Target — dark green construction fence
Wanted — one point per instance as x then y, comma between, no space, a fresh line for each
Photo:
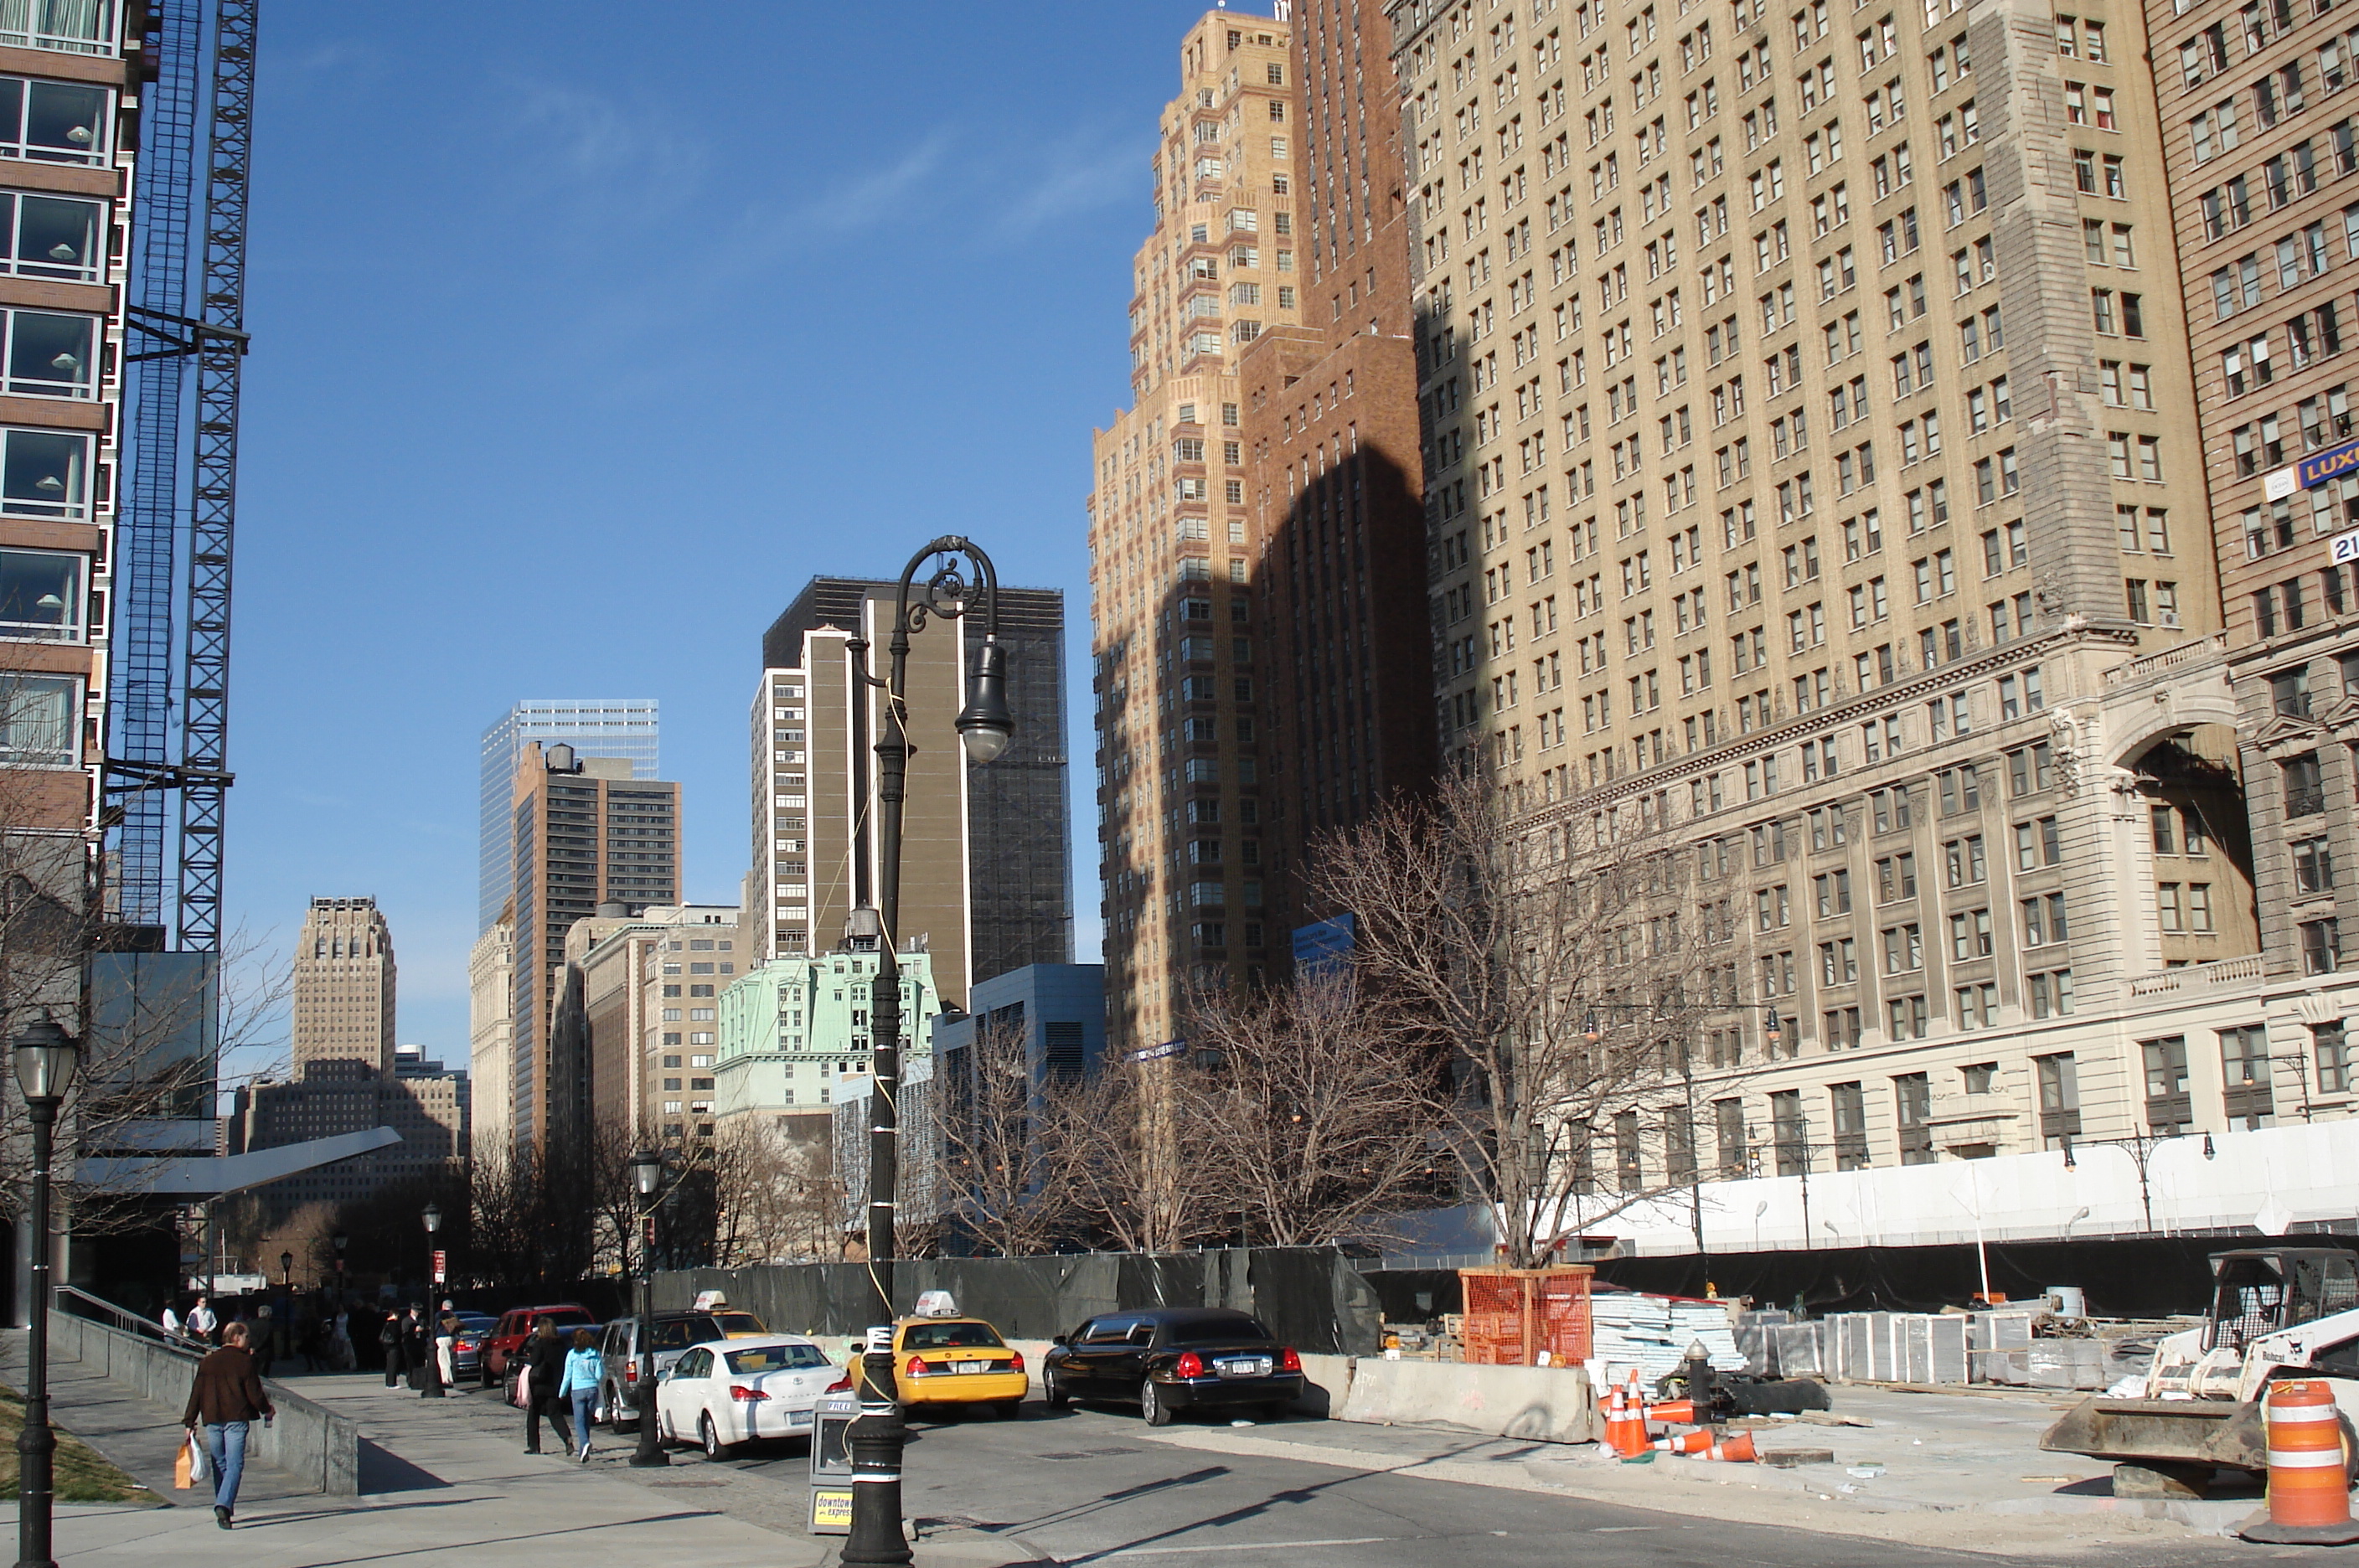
1310,1297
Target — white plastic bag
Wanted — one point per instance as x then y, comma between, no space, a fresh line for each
201,1462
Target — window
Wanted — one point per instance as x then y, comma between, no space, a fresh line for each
40,721
2244,1073
2321,946
52,237
2059,1098
53,121
2332,1054
2168,1105
44,474
41,595
49,356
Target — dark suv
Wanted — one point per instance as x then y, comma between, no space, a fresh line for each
1174,1358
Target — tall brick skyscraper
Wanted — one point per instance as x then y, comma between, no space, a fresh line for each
1179,645
1337,475
344,984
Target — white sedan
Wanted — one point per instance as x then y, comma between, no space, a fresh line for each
742,1389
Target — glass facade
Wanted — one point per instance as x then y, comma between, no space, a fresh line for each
621,727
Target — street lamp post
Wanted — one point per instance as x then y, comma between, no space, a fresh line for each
984,727
46,1057
286,1271
433,1390
646,1178
342,1241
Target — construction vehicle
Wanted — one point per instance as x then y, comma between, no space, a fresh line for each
2275,1310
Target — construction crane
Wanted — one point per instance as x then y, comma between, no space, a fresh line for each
215,340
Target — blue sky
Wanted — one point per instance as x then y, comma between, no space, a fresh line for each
585,333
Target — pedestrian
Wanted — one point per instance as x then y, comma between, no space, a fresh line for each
583,1369
203,1321
388,1339
545,1361
226,1398
446,1344
417,1343
171,1322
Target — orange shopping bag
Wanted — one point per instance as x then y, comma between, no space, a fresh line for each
180,1466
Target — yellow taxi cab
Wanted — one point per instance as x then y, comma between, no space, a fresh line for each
736,1323
958,1361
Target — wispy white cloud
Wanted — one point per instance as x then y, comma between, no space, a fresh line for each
1079,172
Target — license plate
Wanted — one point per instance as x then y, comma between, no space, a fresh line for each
968,1367
1243,1366
799,1418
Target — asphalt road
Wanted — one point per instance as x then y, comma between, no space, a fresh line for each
1087,1486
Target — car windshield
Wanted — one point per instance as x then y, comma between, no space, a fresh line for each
739,1323
777,1358
951,1336
680,1332
475,1322
1238,1330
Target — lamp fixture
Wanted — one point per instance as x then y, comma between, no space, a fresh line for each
432,1215
80,136
66,362
46,1057
985,725
62,252
49,482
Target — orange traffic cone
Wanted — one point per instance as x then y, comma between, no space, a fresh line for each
1679,1410
1738,1448
2310,1499
1696,1442
1625,1429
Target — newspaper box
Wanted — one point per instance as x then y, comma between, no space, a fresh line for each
831,1463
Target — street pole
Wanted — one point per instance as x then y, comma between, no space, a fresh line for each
432,1215
878,1438
647,1175
45,1064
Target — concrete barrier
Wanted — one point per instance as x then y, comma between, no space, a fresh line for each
311,1444
1551,1404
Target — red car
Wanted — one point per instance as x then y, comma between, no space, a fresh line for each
517,1325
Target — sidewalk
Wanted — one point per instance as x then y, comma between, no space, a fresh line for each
434,1490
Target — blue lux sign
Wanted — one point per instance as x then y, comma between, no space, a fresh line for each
2332,463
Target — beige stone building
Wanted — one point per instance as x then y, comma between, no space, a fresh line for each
490,1027
1177,644
1810,471
651,989
345,977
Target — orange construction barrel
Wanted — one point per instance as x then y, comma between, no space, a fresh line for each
2309,1487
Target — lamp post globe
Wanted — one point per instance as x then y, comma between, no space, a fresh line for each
46,1057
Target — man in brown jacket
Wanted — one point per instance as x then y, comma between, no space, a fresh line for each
228,1394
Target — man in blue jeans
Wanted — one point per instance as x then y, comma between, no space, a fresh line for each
226,1397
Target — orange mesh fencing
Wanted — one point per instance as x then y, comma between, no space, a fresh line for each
1512,1314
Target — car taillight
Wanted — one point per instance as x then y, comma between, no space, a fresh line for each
1016,1361
1288,1361
1190,1365
918,1368
841,1385
631,1373
739,1391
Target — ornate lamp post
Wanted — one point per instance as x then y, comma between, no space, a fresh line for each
45,1059
433,1390
646,1181
984,727
286,1269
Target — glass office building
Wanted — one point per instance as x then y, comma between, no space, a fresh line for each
592,727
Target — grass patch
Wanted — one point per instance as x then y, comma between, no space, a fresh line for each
79,1475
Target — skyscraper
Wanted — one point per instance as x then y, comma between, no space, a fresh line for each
1810,468
592,727
1172,546
586,833
1337,471
986,864
343,985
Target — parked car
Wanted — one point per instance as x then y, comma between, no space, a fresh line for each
618,1348
467,1348
1171,1359
949,1362
515,1325
739,1324
739,1390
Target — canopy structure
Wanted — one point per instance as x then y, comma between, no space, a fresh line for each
198,1179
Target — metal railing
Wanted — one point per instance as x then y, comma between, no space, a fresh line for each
80,1303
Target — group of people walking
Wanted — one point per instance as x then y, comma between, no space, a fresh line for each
315,1328
421,1350
560,1378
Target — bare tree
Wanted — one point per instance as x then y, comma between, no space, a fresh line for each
1316,1116
1549,959
999,1183
1125,1150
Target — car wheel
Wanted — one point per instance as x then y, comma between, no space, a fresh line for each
1151,1405
1053,1393
714,1447
1009,1409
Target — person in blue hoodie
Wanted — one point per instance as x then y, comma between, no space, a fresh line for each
583,1369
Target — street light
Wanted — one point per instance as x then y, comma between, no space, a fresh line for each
984,726
432,1215
286,1268
342,1241
646,1178
46,1057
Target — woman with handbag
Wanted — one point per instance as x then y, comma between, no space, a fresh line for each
544,1357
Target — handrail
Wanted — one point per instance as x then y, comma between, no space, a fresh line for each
122,1318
